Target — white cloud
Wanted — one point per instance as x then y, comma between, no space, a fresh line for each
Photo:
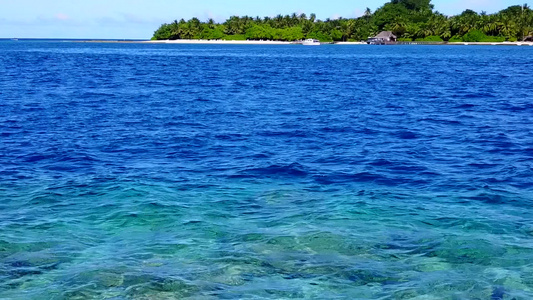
62,17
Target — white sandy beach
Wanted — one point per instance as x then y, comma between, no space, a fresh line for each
350,43
241,42
246,42
221,42
494,44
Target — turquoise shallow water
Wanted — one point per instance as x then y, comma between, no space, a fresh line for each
241,172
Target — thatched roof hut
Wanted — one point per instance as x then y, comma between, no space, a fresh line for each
382,37
386,36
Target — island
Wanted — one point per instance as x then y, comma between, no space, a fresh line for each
408,20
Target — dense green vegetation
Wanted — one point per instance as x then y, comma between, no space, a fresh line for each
408,19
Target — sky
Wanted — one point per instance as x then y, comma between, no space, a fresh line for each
137,19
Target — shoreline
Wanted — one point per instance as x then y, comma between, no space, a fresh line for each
221,42
491,44
247,42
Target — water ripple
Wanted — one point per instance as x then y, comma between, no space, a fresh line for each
234,172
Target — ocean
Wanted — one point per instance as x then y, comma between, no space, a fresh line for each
144,171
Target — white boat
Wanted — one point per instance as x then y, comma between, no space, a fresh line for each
311,42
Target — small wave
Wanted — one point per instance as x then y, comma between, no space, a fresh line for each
36,157
80,157
441,121
292,170
488,198
230,136
381,163
295,133
406,135
466,106
91,95
480,95
528,151
514,108
346,178
368,177
336,129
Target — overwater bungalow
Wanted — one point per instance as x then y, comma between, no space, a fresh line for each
382,38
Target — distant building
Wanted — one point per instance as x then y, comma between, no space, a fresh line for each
382,38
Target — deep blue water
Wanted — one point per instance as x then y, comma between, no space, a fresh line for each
132,171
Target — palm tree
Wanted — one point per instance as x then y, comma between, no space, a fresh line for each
529,22
424,31
525,26
439,25
294,19
508,28
287,21
174,30
368,13
211,23
398,26
307,27
465,22
492,25
346,32
234,25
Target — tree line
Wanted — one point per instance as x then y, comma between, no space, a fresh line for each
408,19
